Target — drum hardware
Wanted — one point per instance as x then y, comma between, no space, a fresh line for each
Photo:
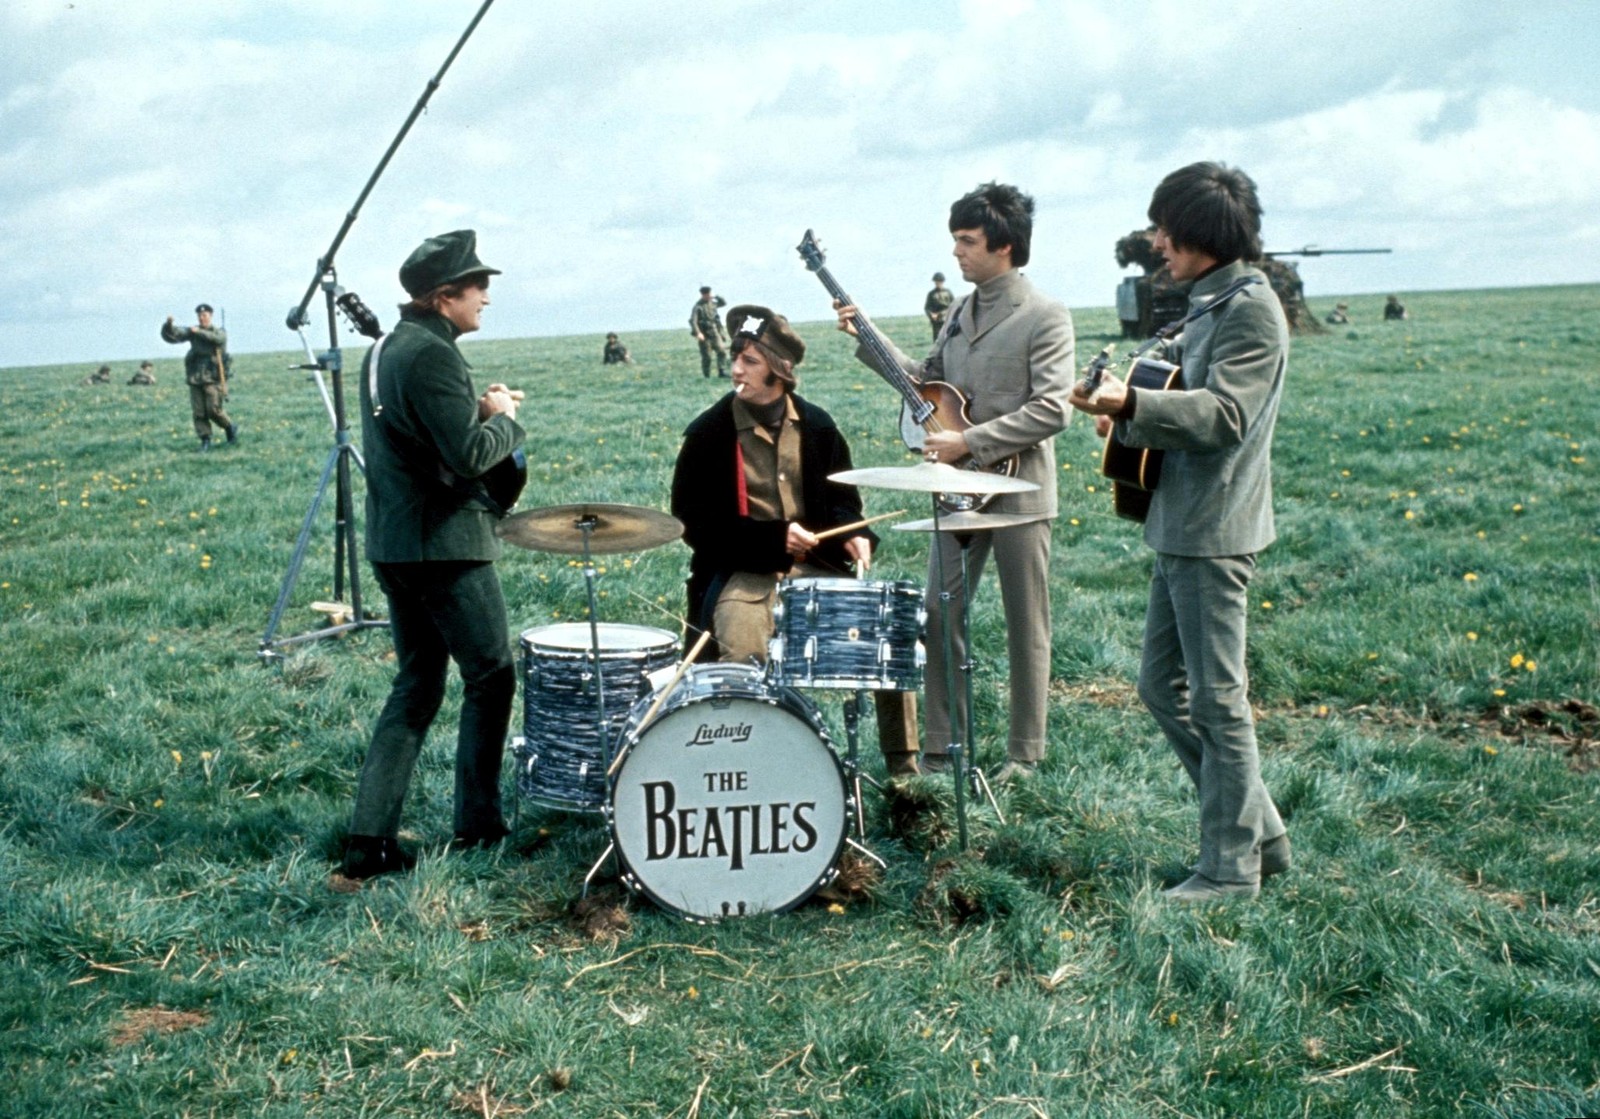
935,477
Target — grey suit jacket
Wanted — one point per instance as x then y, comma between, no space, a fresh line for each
1215,493
1016,373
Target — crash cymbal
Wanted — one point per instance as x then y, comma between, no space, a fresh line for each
611,529
933,477
969,522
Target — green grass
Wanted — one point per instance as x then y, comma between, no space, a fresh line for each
1424,676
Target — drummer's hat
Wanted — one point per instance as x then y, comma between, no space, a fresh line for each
772,333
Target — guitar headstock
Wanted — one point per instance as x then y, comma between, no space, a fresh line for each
1095,370
811,252
359,314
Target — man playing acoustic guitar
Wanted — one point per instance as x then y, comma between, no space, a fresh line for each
1209,516
1008,349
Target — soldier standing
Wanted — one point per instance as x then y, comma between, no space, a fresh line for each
937,305
205,367
705,323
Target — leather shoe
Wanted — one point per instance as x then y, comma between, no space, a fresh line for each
1275,856
1200,890
486,836
367,856
1014,770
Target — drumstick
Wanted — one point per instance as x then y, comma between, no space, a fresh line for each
661,696
860,524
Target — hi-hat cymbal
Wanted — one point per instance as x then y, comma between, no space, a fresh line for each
610,529
933,477
966,521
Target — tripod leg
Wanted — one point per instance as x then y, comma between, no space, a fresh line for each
300,544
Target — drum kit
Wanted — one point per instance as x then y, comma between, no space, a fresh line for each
722,790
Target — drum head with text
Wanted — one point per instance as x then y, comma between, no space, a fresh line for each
729,805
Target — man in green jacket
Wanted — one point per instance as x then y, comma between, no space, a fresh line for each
429,439
705,323
1209,517
205,367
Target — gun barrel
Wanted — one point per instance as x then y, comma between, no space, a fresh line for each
1312,250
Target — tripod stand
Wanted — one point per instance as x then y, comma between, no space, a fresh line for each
336,468
346,564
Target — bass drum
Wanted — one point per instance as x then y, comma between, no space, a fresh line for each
730,801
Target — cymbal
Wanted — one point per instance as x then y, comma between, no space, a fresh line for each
970,522
611,529
933,477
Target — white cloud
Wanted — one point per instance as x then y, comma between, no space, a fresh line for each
616,156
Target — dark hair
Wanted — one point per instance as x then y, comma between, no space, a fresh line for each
1212,208
1004,214
428,304
778,365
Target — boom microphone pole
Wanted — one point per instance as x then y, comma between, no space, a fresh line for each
337,467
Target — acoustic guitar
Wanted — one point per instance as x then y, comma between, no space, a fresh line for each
497,488
925,406
1135,471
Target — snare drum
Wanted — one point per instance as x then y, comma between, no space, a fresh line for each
731,801
851,634
560,759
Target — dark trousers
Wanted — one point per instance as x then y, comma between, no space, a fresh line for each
205,405
438,612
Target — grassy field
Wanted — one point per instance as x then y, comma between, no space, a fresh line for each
1424,656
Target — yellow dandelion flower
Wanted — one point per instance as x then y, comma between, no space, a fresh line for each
1410,515
1499,691
1067,934
158,802
1267,605
1469,577
1516,660
1073,521
1472,635
694,993
1531,665
835,908
1372,656
1517,508
1491,751
177,758
1322,710
1172,1019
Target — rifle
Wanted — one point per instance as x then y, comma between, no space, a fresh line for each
1312,250
221,355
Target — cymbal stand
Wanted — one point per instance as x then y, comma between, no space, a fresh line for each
586,525
980,783
957,756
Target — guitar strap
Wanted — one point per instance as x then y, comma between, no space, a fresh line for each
1172,330
471,488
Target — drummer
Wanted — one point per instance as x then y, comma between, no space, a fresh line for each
751,488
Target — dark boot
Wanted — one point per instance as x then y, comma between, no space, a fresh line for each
485,836
233,433
367,856
205,443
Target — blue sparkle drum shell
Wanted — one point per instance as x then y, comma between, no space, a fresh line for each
848,634
560,760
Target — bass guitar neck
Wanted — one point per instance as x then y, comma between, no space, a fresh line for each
926,406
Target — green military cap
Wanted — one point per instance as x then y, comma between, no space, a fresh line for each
938,277
444,259
769,330
203,309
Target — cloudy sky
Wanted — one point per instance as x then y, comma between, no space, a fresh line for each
616,154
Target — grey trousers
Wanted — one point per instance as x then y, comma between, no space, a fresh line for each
1193,680
1022,560
439,611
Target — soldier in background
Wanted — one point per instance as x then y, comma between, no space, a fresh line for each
1394,310
205,367
1340,315
101,376
937,305
705,323
144,376
615,353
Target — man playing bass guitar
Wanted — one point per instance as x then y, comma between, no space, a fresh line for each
1008,349
1209,517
